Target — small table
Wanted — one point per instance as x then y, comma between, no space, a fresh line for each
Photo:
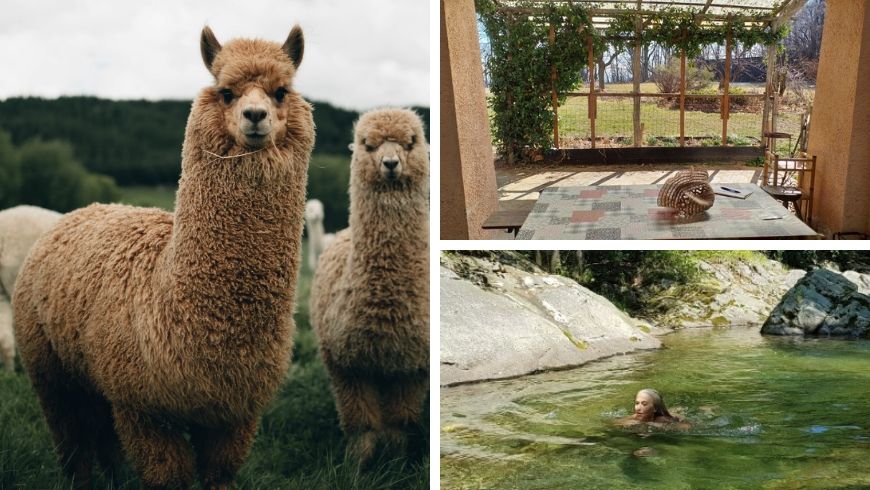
628,212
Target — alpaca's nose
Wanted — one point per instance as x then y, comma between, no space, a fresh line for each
391,164
254,115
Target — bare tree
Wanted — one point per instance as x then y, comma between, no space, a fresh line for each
602,66
804,43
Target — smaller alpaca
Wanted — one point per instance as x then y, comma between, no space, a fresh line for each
370,295
317,239
20,227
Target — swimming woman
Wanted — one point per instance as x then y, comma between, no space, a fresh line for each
649,408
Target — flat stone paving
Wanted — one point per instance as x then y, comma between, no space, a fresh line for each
527,182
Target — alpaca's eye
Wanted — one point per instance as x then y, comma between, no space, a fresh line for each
410,146
227,94
369,148
279,94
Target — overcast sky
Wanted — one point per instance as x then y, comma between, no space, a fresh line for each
359,54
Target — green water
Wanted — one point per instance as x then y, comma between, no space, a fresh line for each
766,412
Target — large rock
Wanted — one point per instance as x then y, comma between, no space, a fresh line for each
824,303
498,321
733,292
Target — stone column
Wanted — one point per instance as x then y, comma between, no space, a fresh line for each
468,187
840,124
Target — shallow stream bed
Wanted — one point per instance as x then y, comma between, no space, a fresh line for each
766,412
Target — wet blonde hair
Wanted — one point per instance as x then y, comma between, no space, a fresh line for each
658,402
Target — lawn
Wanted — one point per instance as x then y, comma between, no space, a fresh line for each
615,120
299,443
149,196
661,126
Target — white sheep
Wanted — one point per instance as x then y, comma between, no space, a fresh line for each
20,227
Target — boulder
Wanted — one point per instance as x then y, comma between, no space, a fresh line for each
733,292
824,302
498,321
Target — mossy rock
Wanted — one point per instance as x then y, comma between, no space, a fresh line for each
720,321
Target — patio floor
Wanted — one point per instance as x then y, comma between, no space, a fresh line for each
521,183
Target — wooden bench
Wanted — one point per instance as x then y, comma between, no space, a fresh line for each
510,216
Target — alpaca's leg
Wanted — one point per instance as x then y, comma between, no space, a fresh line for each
159,453
63,403
108,447
221,452
359,410
403,403
7,335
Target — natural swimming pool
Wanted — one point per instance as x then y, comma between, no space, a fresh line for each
767,412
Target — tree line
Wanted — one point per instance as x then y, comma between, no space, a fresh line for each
138,142
66,153
46,174
630,278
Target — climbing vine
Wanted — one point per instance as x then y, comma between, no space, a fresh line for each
679,29
520,67
522,56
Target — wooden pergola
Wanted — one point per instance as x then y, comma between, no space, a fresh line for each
757,13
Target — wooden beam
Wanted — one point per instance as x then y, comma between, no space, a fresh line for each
635,75
670,3
658,94
768,90
645,13
725,86
654,154
706,7
699,17
683,97
786,11
554,97
592,109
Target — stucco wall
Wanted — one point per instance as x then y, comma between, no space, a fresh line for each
840,126
468,187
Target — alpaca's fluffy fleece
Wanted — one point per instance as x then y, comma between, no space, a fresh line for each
20,227
317,239
136,325
370,295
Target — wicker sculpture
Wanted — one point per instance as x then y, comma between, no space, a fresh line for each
688,192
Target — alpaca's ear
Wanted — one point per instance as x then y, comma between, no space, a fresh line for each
294,46
350,147
210,47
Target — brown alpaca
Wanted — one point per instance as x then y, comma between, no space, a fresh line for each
137,326
370,295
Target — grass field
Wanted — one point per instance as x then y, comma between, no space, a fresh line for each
149,196
299,443
615,121
614,125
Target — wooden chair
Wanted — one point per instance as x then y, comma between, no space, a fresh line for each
791,180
